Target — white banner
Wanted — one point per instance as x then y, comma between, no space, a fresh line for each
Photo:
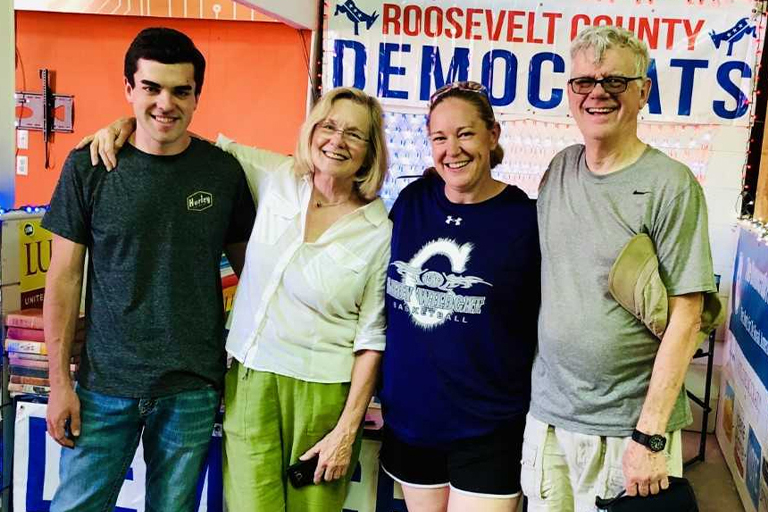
36,473
703,68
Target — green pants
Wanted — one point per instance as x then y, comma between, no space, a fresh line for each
269,421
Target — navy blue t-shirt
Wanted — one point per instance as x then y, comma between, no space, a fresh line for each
462,298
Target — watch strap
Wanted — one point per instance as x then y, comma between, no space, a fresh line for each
655,443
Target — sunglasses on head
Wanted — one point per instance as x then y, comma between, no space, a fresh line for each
468,86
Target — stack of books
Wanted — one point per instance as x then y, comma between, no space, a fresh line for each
228,283
28,353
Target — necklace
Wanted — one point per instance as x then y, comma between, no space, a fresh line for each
318,204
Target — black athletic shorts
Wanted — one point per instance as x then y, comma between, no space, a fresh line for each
487,466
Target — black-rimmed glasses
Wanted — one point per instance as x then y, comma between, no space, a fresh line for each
610,84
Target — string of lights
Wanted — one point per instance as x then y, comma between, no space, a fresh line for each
756,226
23,209
748,195
529,145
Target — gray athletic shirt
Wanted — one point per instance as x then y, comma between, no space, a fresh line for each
155,228
595,359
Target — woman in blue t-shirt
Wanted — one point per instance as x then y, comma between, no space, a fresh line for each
462,300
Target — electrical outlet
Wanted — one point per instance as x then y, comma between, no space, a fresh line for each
22,165
22,139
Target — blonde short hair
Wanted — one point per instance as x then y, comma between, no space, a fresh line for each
370,176
603,38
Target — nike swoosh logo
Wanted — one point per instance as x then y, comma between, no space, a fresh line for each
638,193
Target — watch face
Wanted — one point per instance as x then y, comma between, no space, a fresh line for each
656,443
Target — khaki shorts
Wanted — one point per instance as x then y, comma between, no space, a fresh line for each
564,471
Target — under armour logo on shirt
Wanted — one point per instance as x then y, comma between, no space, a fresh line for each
451,220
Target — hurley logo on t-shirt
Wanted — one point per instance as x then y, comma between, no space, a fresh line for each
199,201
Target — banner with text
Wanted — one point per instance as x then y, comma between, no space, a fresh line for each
742,430
749,302
703,55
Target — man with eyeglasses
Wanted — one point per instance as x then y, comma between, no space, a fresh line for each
607,401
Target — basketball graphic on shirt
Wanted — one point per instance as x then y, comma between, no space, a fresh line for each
431,298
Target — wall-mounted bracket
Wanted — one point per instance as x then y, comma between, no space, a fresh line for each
30,112
44,111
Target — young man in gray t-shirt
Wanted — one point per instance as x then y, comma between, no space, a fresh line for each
607,400
153,363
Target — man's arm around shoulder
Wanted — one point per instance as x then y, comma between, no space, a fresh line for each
60,311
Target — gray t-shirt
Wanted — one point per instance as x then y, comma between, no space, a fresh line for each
155,228
594,365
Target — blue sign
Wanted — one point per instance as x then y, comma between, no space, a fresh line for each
749,308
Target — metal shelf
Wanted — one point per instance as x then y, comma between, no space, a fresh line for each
704,404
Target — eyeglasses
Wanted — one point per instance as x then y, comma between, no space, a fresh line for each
468,86
610,84
350,136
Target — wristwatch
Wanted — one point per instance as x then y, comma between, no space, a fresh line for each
655,442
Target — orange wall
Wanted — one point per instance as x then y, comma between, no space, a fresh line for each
254,91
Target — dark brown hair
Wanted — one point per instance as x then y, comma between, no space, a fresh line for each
166,46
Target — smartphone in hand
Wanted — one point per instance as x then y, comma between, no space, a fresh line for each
68,430
302,472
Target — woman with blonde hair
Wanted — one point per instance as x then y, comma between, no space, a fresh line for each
307,330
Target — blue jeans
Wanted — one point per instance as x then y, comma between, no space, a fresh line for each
175,430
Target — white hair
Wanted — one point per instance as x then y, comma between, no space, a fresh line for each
603,38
